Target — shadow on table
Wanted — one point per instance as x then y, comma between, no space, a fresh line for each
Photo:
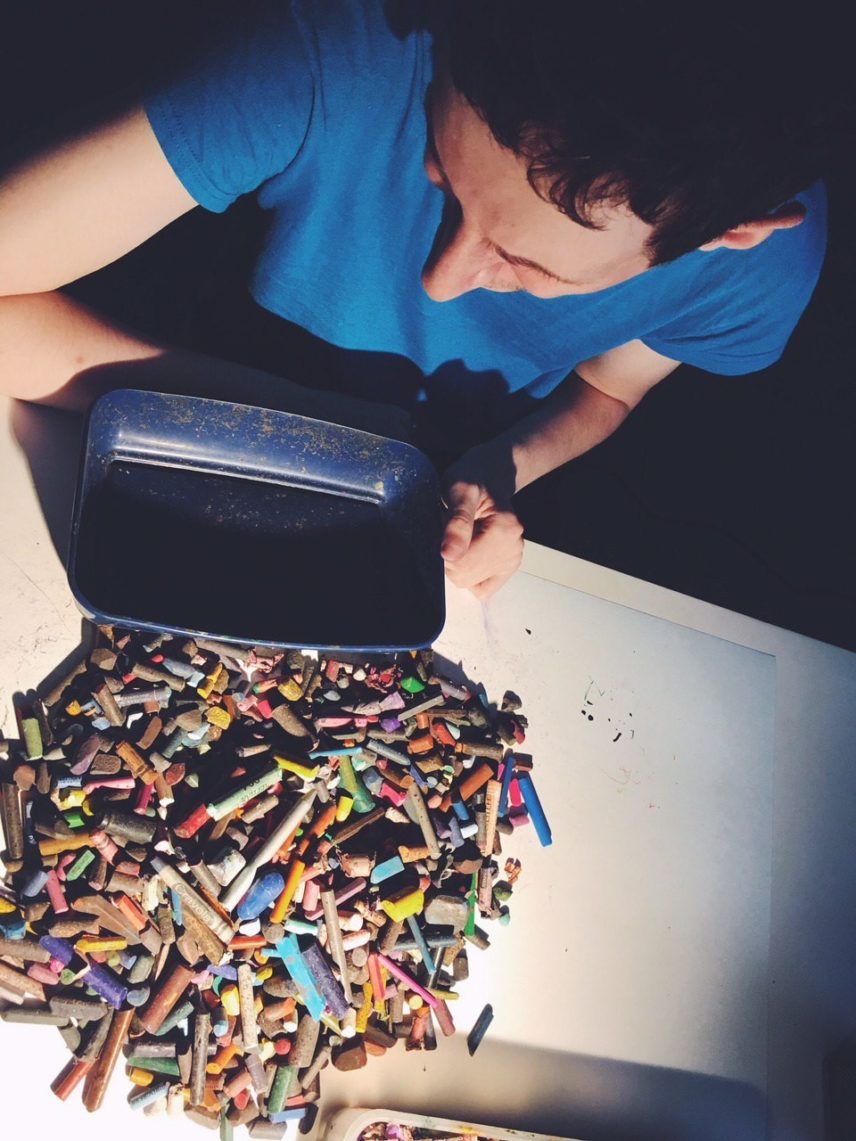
51,441
565,1095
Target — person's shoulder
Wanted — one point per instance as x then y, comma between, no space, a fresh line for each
787,263
736,309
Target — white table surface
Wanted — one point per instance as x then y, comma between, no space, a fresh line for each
625,1055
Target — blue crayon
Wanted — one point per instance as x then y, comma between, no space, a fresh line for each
387,869
176,907
336,752
480,1029
533,807
507,773
419,778
292,958
263,893
294,1113
140,1098
460,810
58,948
421,944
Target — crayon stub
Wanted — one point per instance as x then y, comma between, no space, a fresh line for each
479,1030
205,960
406,903
261,895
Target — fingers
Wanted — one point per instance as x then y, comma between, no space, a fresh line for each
483,590
494,554
463,499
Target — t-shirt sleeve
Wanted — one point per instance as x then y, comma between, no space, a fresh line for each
239,113
746,304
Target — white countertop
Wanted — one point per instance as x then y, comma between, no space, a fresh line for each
681,962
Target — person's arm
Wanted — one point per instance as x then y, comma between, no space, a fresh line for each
84,204
73,210
483,538
64,214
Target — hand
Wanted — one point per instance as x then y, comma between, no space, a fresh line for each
483,538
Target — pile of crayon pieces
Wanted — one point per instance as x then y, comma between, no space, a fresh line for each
237,866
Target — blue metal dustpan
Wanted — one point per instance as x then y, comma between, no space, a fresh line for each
207,518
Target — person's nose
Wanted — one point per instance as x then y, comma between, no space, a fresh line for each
458,262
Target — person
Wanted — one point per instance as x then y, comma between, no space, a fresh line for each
537,210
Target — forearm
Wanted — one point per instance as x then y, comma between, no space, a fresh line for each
55,351
571,421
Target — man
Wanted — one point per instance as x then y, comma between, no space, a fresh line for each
538,201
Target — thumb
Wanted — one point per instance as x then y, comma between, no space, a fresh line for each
458,534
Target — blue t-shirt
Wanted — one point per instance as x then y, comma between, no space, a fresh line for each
319,107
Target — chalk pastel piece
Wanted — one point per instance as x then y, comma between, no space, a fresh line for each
176,1015
305,772
405,904
13,927
515,796
177,912
301,927
245,793
419,938
379,749
363,800
399,973
89,944
343,808
293,1113
507,774
148,1096
392,701
105,983
56,895
292,959
283,1076
394,795
377,980
218,716
419,778
351,752
58,948
286,893
470,925
231,1001
191,825
290,690
32,735
536,812
373,780
261,896
460,810
325,980
387,869
479,1030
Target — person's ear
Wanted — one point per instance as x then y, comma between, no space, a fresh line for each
750,234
